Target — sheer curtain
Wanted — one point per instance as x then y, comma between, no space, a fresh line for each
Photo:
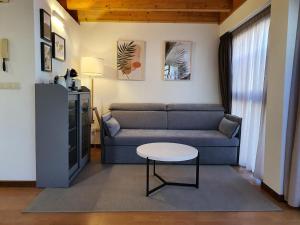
249,57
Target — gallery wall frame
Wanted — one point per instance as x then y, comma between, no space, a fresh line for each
58,47
46,57
45,25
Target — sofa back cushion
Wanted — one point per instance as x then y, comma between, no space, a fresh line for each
140,115
170,116
194,116
138,106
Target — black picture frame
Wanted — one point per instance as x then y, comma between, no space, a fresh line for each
45,25
46,55
56,51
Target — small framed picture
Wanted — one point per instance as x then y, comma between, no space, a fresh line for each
45,25
58,47
46,57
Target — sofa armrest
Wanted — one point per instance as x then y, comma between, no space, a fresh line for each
238,135
104,117
102,136
103,133
102,130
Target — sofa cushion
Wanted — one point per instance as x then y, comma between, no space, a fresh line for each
141,119
135,137
138,106
112,126
194,107
194,120
229,128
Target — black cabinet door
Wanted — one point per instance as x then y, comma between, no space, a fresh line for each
85,109
73,134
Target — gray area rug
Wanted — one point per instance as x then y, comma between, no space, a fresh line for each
111,188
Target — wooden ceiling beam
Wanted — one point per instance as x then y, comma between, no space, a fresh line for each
139,16
235,5
73,13
152,5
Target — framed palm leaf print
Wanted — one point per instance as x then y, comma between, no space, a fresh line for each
177,60
131,60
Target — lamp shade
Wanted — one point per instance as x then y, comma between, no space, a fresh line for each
92,66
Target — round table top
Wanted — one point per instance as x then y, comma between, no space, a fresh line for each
167,152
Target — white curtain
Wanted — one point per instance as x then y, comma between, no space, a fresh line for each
249,59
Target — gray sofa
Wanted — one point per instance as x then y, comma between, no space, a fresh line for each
191,124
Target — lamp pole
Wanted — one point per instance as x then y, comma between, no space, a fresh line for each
92,90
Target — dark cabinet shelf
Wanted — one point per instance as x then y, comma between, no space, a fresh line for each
63,125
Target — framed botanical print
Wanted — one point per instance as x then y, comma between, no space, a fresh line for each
131,60
45,25
177,60
46,57
58,47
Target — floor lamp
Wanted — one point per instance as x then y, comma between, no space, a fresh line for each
92,67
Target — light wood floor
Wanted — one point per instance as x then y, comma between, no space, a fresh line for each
14,200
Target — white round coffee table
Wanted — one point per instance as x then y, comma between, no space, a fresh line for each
167,152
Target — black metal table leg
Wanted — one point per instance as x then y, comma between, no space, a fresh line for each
147,182
164,182
197,171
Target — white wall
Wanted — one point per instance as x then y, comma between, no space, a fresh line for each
17,134
242,14
70,31
284,17
19,22
99,39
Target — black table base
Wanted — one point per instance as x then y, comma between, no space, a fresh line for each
165,183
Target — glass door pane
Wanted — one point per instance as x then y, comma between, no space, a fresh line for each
86,125
73,134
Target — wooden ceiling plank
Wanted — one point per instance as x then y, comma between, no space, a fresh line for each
138,16
152,5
